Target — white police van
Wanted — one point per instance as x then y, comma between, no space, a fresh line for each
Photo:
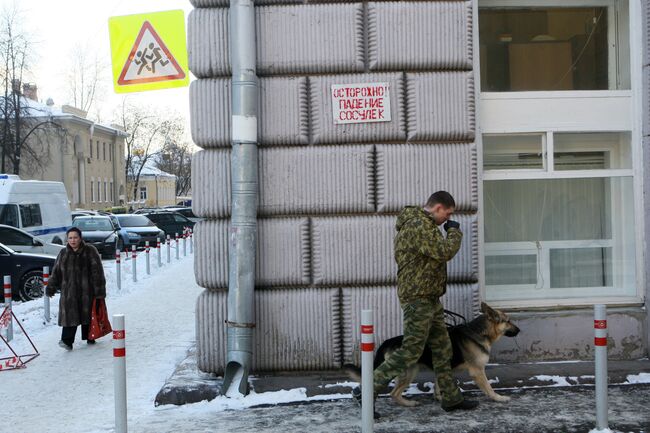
38,207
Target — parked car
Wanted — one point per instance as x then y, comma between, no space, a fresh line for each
170,222
26,271
185,211
23,242
99,231
143,227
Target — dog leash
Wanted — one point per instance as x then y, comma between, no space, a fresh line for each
452,317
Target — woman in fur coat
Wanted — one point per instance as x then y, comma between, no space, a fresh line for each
79,274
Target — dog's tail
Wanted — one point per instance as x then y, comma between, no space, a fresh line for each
353,371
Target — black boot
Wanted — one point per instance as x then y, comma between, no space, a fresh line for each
463,405
356,395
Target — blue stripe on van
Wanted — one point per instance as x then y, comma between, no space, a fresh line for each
47,231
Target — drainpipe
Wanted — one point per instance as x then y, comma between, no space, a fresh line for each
243,171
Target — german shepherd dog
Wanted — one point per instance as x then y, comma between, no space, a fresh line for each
471,343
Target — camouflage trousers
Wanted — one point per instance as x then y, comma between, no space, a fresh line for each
424,323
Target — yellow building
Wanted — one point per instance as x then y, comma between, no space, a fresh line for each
156,188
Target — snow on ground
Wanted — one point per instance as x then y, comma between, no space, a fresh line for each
62,391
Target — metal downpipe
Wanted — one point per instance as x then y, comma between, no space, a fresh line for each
244,184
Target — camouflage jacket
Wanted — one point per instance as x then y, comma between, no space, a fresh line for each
422,253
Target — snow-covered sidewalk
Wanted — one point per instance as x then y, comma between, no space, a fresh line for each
69,392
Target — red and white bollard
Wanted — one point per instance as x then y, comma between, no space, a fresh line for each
191,240
600,343
119,372
158,249
185,242
8,302
169,246
177,252
367,355
46,299
118,269
146,250
134,264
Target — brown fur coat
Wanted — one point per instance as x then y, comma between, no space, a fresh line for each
80,277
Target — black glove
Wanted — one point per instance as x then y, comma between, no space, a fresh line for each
451,225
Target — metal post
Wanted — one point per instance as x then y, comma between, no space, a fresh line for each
146,249
600,341
118,269
8,302
177,251
169,246
367,354
185,243
244,187
158,249
134,264
46,299
191,242
119,372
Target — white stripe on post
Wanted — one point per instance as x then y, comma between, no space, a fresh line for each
8,302
134,264
177,252
46,299
158,248
169,246
118,269
185,242
119,372
367,353
146,249
600,343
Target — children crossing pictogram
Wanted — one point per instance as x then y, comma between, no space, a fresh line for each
150,60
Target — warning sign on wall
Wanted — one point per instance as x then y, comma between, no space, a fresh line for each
361,103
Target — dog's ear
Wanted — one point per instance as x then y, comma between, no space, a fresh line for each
487,310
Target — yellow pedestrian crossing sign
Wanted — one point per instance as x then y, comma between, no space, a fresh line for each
148,51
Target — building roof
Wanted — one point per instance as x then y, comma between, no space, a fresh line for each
39,110
150,171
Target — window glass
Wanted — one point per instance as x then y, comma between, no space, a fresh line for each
582,151
134,221
9,215
559,238
93,224
30,215
180,219
14,237
502,152
523,49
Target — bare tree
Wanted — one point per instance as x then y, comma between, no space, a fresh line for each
176,158
85,77
148,130
20,126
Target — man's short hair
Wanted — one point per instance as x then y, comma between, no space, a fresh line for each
443,198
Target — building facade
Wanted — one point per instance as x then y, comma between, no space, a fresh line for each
86,156
156,188
532,113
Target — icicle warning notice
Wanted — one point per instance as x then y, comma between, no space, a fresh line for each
361,103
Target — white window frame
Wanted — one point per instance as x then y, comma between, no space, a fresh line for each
626,117
92,190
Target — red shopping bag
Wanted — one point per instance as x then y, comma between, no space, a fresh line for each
99,323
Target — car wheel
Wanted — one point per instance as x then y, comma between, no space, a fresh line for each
31,286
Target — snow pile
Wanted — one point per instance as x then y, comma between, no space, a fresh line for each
557,380
638,378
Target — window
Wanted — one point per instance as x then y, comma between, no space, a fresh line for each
104,150
105,190
99,190
110,151
30,215
559,216
14,237
92,190
9,215
554,48
91,148
143,193
112,198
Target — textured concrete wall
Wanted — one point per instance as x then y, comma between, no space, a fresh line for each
329,194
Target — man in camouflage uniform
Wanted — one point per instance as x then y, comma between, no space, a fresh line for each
422,253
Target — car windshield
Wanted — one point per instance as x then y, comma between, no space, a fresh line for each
135,221
93,224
